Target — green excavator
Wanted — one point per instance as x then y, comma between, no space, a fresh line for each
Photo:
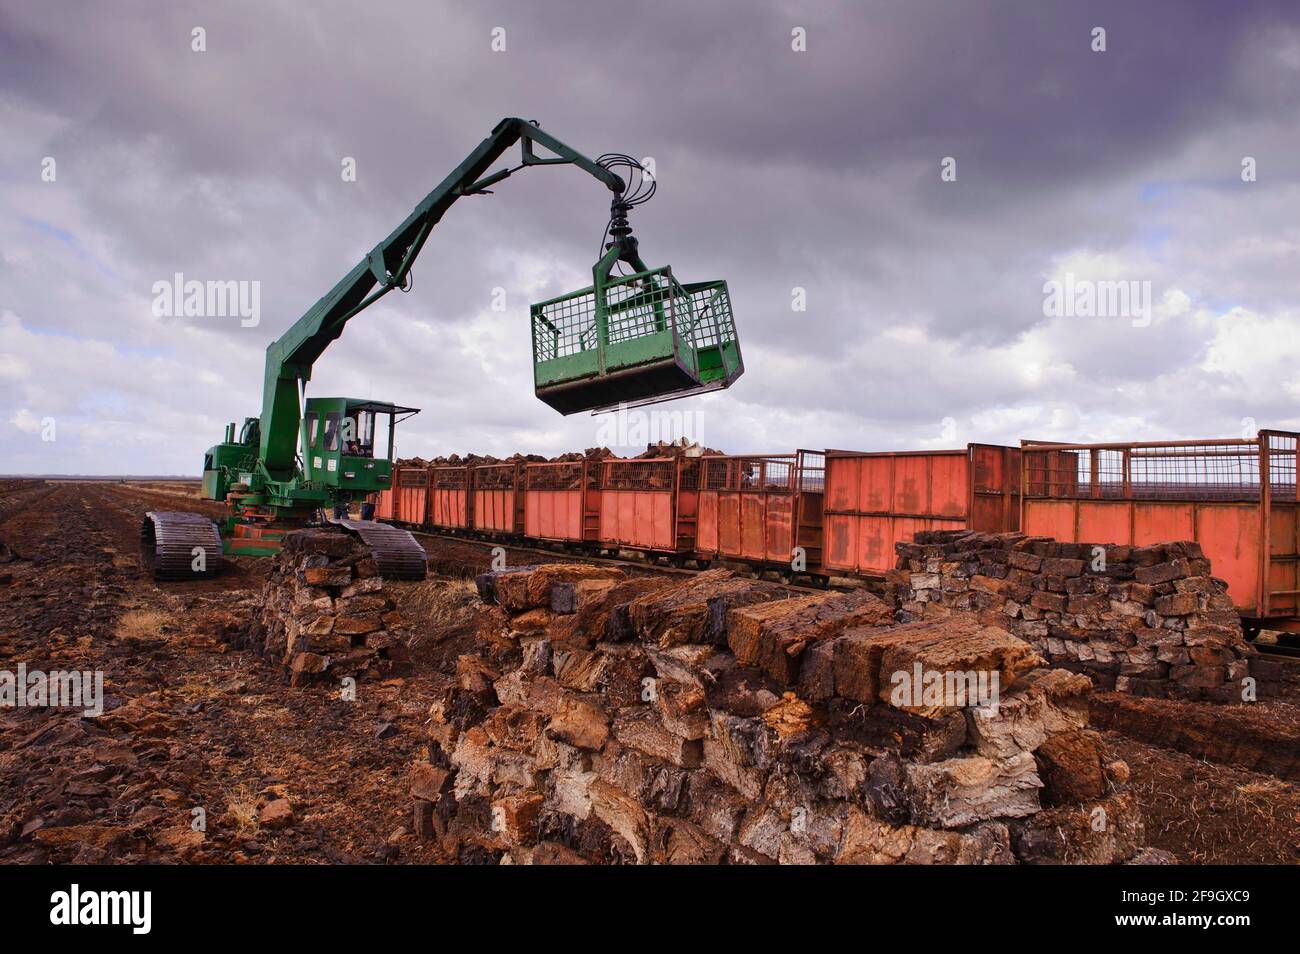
632,337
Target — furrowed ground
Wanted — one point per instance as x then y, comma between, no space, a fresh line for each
195,729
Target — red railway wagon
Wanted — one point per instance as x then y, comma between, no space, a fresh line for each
650,504
497,503
763,510
562,502
875,500
383,502
1235,497
449,498
409,496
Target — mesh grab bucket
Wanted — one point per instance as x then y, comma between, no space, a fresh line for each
635,338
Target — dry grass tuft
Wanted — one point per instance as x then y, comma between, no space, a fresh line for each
141,624
241,806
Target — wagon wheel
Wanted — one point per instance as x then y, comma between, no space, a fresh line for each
678,562
703,564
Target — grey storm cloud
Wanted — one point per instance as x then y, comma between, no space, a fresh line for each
778,170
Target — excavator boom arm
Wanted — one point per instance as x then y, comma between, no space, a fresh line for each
289,359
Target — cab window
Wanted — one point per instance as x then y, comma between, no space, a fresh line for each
358,434
366,431
332,431
313,425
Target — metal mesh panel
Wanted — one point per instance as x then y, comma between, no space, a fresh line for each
1052,473
449,478
494,477
715,472
772,473
636,306
711,315
640,307
413,477
649,474
1282,466
749,473
811,476
1218,473
560,476
1206,470
564,327
692,468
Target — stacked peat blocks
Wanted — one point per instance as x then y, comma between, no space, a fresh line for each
1147,620
723,720
324,614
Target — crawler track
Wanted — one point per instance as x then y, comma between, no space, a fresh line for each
176,545
171,542
550,555
397,553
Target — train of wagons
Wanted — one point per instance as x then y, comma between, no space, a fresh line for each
818,515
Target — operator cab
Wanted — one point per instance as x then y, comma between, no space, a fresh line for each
348,443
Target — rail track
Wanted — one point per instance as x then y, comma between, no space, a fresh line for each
636,564
1280,651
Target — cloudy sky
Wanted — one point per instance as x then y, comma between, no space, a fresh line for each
798,146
